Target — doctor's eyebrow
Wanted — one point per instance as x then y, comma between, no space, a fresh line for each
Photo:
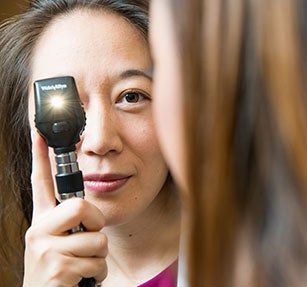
136,72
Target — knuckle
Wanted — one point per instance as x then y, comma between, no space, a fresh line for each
37,246
60,267
102,271
102,243
33,236
30,235
101,222
45,255
79,206
75,206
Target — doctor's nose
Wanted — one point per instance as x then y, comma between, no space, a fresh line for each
101,135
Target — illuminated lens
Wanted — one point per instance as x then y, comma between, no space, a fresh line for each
57,101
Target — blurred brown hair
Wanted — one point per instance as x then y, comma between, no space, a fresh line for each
244,77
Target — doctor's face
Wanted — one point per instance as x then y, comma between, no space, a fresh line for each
119,155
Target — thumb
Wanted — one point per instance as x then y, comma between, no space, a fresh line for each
41,178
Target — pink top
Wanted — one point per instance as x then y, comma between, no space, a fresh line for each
167,278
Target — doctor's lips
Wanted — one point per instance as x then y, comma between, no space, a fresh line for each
104,183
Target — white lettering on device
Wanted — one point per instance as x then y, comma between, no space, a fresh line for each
54,87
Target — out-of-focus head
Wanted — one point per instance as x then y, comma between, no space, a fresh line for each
168,93
242,113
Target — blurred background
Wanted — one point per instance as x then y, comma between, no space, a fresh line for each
11,7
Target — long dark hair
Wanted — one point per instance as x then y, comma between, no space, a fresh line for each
18,36
244,67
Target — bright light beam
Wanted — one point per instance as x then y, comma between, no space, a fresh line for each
57,102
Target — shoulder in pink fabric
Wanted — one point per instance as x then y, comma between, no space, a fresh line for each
167,278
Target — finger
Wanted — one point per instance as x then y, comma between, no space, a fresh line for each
93,268
83,244
71,213
42,182
101,273
68,271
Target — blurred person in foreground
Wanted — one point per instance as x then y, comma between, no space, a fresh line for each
232,122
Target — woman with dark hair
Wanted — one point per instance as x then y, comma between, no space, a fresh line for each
131,210
232,125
